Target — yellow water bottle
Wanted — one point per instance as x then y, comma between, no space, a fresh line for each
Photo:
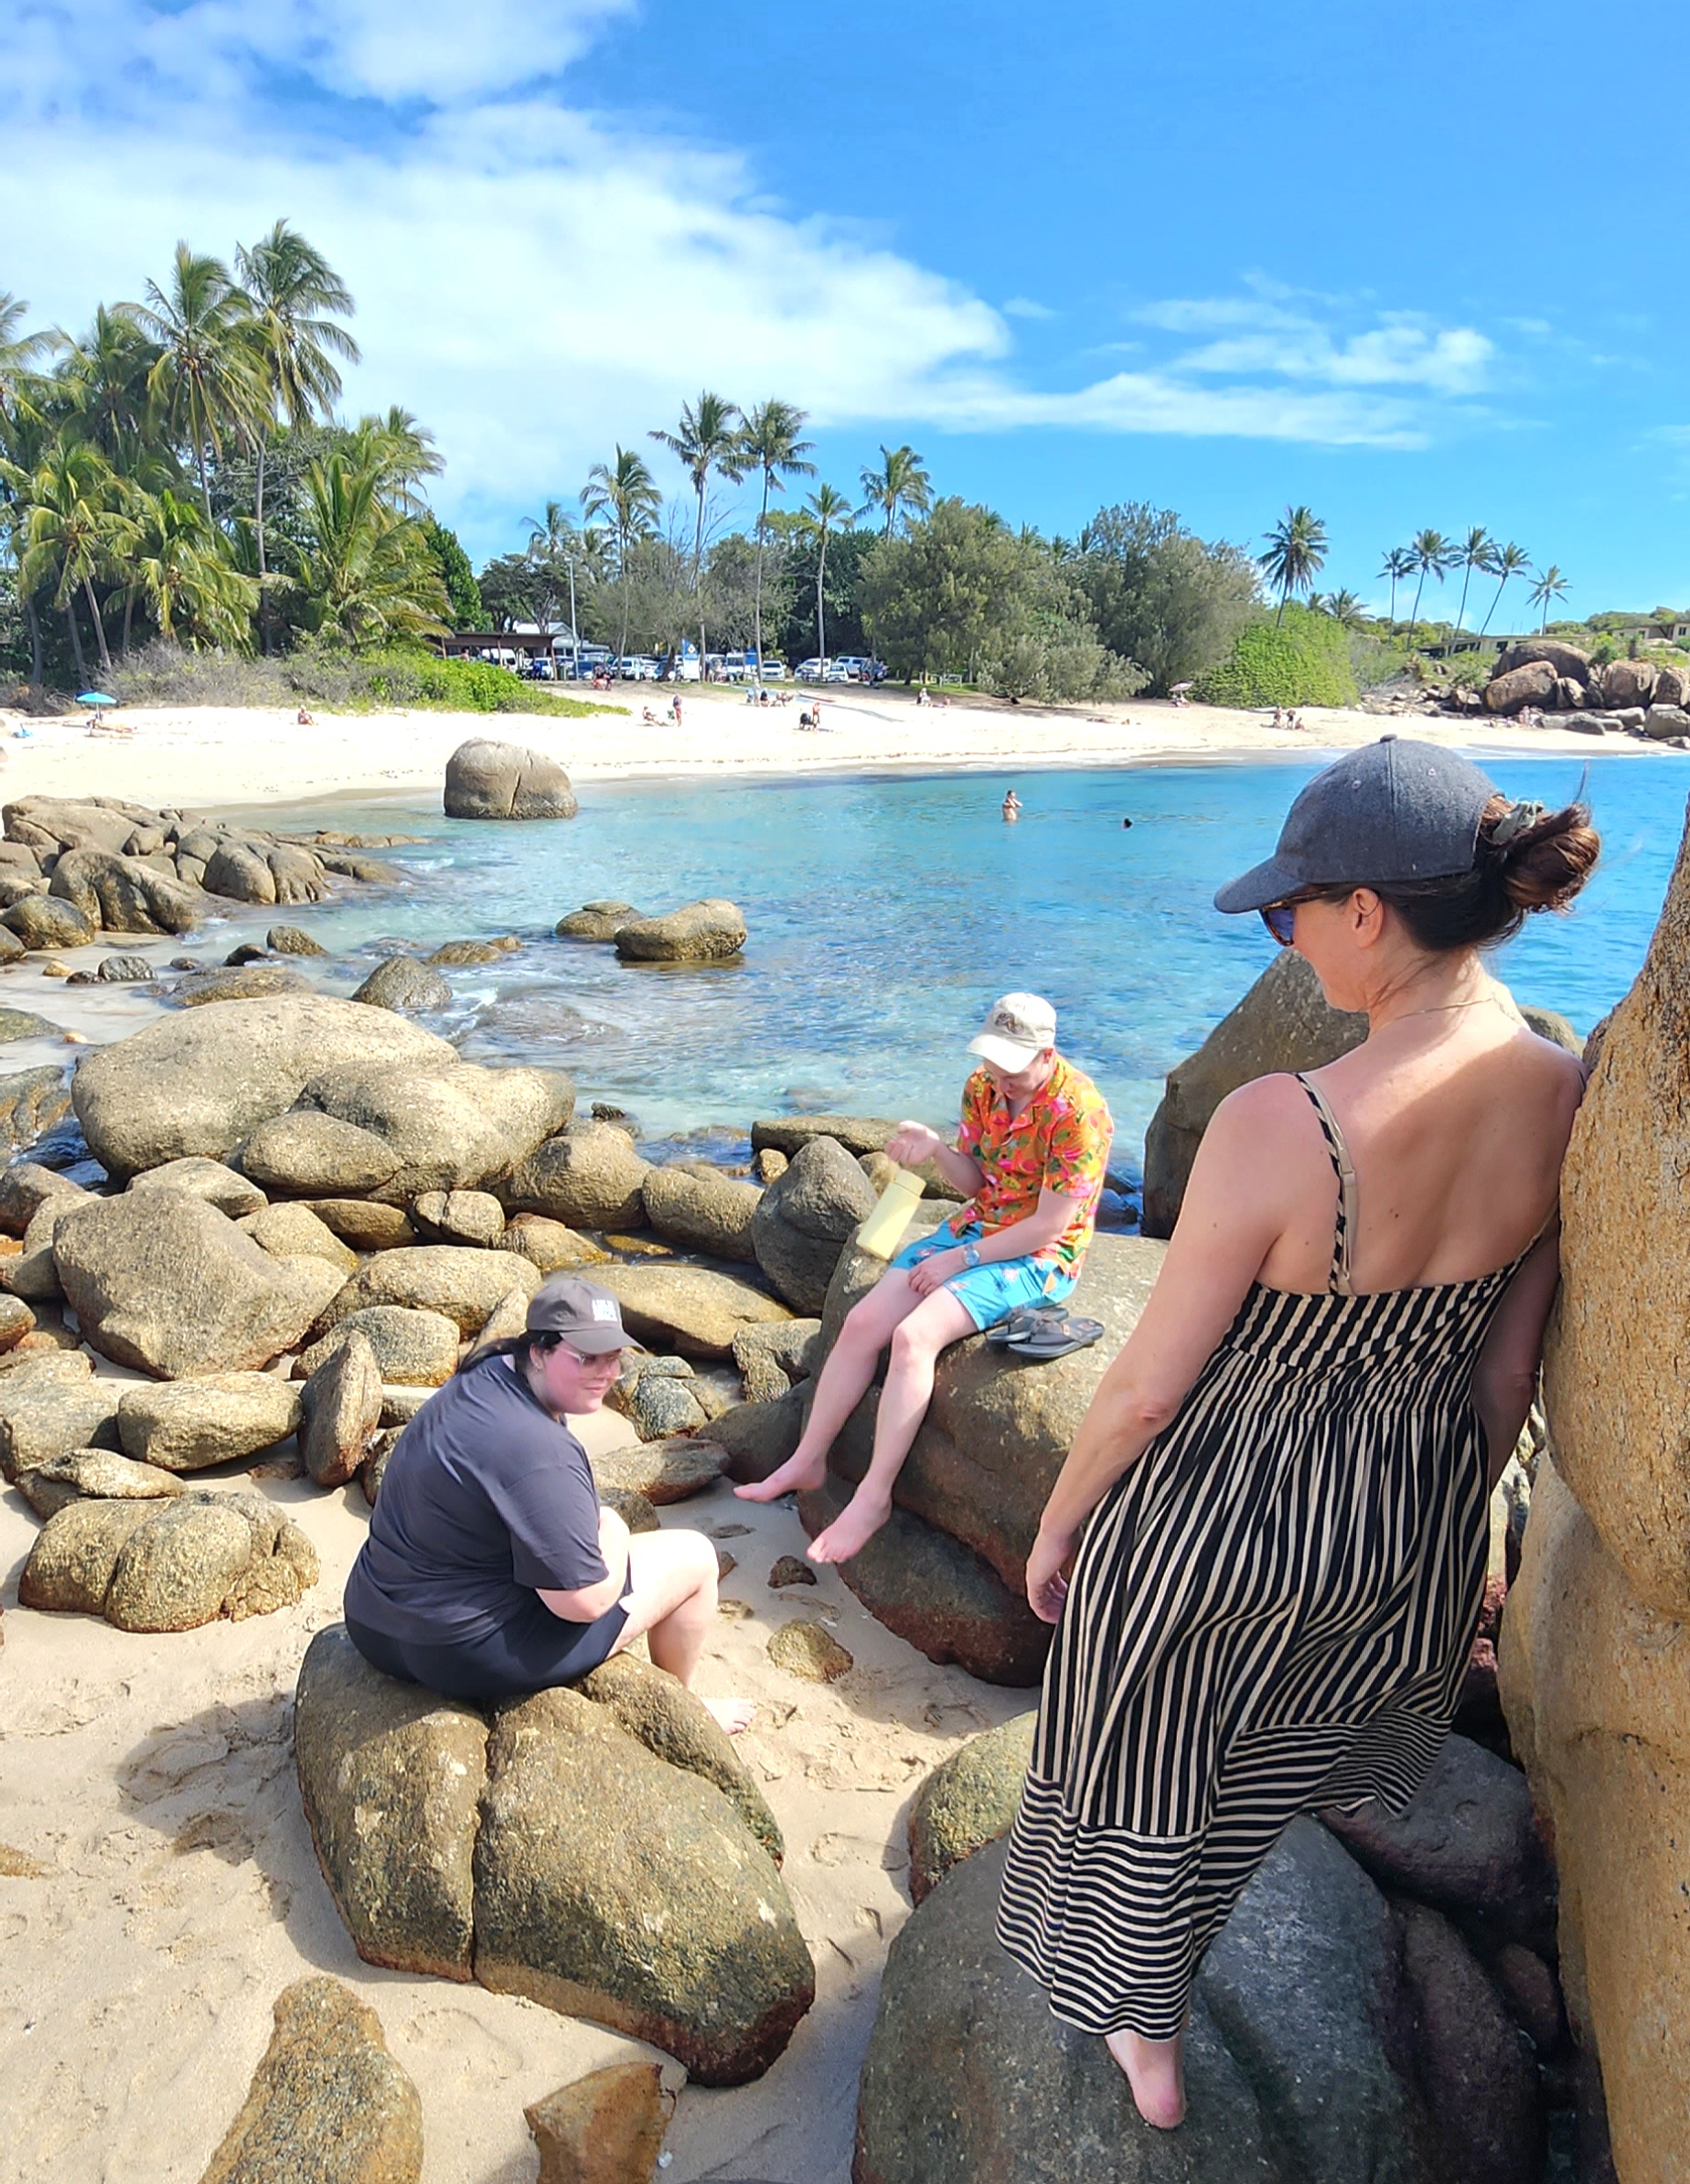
883,1232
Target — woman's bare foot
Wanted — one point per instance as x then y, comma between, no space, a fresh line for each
799,1474
1155,2070
733,1714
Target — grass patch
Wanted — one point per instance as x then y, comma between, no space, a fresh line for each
344,682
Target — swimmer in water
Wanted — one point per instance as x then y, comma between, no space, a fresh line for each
1012,807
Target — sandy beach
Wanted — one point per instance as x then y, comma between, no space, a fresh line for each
217,758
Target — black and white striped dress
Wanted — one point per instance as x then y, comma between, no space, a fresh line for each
1270,1612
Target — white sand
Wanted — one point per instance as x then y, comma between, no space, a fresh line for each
205,757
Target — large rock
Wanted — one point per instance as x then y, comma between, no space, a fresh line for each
48,824
452,1127
328,2105
660,1472
313,1155
694,1309
460,1217
363,1224
1283,1022
597,921
706,1213
191,1425
293,1231
25,1186
45,921
1477,2075
803,1220
92,1475
605,2128
588,1177
1516,688
411,1348
661,1714
121,894
240,871
1665,723
1550,652
170,1565
391,1778
402,982
702,932
218,1185
670,1924
486,780
1629,683
202,1081
31,1102
340,1411
244,982
456,1280
168,1284
969,1801
552,1244
50,1405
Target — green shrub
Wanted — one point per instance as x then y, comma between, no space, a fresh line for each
329,675
1300,659
1374,658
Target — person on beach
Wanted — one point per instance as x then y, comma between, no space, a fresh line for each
1012,807
1031,1156
1266,1552
491,1569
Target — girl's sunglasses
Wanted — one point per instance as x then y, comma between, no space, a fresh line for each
1280,919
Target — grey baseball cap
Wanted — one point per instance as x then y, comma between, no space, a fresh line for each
587,1317
1392,812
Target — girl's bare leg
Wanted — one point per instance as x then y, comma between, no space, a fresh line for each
673,1607
1156,2072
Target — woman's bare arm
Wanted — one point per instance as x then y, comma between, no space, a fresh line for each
1505,1377
586,1603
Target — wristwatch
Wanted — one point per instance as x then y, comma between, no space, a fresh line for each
971,1255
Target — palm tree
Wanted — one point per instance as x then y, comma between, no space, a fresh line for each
1345,607
1296,553
296,301
401,453
1430,553
899,488
554,544
206,377
1476,551
824,510
1551,585
182,572
1398,566
20,352
75,521
626,494
1506,562
769,444
105,378
706,441
367,575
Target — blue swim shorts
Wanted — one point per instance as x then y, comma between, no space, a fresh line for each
992,1291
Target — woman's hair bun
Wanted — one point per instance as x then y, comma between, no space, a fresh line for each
1547,862
1525,860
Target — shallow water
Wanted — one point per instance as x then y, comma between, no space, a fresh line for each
886,913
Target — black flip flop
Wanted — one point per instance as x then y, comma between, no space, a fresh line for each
1056,1338
1022,1322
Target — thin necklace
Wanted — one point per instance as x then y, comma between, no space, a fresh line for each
1440,1008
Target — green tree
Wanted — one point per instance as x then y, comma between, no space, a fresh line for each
825,512
20,352
1506,563
1299,658
626,495
1344,608
75,521
770,445
1295,554
707,439
206,377
935,597
1158,595
1476,551
898,490
367,576
1398,566
1549,587
462,595
178,564
1430,553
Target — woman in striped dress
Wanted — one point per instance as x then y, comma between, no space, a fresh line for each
1267,1550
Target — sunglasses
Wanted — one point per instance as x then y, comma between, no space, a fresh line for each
1280,919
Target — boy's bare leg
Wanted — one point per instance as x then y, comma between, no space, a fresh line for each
844,1380
937,1322
673,1607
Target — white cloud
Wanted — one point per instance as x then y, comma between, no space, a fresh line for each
537,283
1023,307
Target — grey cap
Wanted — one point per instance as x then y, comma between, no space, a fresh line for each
1392,812
587,1317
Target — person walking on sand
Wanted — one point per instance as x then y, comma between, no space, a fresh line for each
490,1569
1266,1552
1031,1155
1012,807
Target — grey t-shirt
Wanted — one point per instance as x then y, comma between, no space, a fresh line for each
486,1499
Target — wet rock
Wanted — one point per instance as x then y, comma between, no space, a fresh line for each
124,970
202,1083
411,1348
364,1224
970,1800
803,1220
240,871
31,1102
605,2128
250,982
452,1127
808,1649
460,1217
693,1310
293,1231
391,1778
474,954
489,780
789,1570
340,1411
597,921
402,982
314,1155
208,1180
464,1285
191,1425
663,1471
1477,2074
552,1247
705,932
23,1023
51,1405
589,1177
327,2102
44,921
288,941
23,1186
122,894
92,1475
710,1213
673,1926
168,1284
1283,1024
660,1713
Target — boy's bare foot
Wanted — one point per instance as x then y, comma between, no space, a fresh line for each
733,1714
1155,2070
799,1474
852,1528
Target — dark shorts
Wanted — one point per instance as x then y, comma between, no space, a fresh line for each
533,1652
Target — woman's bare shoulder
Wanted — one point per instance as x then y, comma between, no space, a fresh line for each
1268,1109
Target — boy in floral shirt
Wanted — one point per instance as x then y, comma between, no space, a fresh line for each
1030,1157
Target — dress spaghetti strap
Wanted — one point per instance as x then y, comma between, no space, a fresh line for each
1343,1233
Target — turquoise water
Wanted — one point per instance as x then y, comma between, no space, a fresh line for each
885,913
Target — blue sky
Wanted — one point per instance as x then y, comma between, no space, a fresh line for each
1410,266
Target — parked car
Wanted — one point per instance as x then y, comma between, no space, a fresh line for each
776,670
737,666
838,671
813,670
634,667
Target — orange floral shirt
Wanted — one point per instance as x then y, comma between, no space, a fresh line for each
1060,1142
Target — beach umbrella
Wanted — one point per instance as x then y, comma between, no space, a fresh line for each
1175,689
94,697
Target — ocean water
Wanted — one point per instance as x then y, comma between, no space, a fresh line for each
886,913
